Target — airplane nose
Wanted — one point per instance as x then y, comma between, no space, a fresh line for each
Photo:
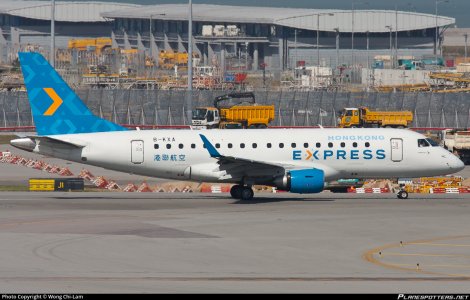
456,164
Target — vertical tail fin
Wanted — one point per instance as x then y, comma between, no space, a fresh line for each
55,107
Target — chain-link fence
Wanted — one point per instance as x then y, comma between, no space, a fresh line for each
293,108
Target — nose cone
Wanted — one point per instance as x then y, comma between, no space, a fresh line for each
455,163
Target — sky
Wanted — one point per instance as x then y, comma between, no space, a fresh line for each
458,9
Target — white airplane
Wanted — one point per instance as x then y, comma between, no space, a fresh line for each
295,160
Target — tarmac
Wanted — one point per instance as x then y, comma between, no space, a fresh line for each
109,242
93,242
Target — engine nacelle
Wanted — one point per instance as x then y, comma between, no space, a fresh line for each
307,181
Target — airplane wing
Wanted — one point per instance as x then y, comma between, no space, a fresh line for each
239,165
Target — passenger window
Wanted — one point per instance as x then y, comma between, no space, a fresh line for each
343,144
330,145
269,145
305,145
281,145
422,143
293,145
230,145
355,145
217,145
318,145
168,146
254,145
193,146
242,145
181,146
367,144
156,146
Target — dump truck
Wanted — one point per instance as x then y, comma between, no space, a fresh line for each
225,114
97,45
363,117
457,141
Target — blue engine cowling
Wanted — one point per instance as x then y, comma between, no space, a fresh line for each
302,181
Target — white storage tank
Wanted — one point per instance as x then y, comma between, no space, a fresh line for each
207,30
219,30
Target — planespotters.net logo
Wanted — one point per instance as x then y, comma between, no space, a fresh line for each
432,297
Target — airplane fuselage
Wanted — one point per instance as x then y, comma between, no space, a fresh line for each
181,154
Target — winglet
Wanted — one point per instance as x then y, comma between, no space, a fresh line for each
212,151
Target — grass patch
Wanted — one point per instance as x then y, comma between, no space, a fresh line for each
14,188
5,139
25,188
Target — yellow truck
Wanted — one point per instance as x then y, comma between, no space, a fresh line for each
244,114
363,117
97,45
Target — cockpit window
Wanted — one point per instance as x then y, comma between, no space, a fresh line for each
433,142
423,143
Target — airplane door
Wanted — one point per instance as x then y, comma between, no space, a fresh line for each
397,149
137,152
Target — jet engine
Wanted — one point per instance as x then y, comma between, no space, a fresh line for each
306,181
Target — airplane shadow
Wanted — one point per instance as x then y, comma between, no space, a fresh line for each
279,200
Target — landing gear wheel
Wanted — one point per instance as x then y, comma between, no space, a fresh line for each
402,195
236,191
247,194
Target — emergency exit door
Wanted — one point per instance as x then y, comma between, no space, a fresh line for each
397,149
137,152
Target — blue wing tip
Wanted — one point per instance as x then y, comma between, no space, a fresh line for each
210,148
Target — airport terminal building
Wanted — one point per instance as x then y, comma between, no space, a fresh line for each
26,24
229,36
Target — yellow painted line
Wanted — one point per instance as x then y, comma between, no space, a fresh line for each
435,266
57,101
435,244
423,254
373,254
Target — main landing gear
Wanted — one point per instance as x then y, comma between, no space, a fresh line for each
242,192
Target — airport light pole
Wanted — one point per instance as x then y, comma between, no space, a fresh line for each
295,47
52,55
151,38
189,100
246,56
337,46
395,58
391,46
318,33
466,37
190,46
437,28
353,3
367,48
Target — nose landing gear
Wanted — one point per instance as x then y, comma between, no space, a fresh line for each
402,194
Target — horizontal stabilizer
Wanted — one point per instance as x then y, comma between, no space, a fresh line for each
52,142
